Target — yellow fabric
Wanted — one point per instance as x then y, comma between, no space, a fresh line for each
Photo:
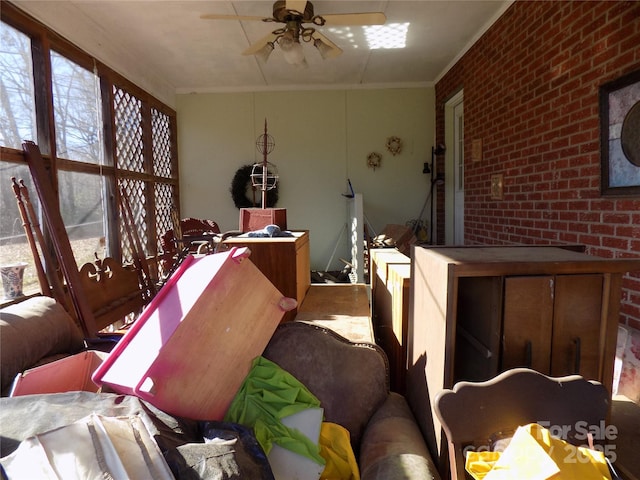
479,464
533,454
335,448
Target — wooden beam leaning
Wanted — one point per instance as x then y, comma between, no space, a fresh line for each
137,250
42,276
53,218
54,278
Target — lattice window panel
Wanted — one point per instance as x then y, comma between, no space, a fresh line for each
129,135
136,195
165,204
161,135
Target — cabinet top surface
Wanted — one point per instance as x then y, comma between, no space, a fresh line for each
543,257
245,238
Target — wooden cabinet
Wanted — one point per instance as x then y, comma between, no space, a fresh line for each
390,285
398,282
283,260
476,311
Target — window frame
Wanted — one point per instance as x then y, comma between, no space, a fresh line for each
43,42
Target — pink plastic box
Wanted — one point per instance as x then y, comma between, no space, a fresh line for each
68,374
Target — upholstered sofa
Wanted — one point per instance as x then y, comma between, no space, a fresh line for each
35,331
350,380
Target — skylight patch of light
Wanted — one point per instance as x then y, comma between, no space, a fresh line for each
392,35
345,34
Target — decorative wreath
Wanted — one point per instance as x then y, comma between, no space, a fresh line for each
373,160
239,185
394,145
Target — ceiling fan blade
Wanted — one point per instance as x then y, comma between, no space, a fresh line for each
370,18
327,49
242,18
297,5
259,45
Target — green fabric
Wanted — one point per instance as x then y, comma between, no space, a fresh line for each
268,394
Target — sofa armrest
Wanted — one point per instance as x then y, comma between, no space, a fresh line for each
392,446
31,331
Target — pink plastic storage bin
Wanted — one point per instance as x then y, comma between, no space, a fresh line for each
68,374
192,346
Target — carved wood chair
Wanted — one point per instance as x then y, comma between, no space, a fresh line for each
194,235
113,291
191,234
474,414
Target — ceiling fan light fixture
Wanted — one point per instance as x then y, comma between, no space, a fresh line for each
264,52
294,54
300,24
324,49
291,48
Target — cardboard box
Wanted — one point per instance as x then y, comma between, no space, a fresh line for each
68,374
398,236
193,345
252,219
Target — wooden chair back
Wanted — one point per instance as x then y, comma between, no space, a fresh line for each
113,291
474,414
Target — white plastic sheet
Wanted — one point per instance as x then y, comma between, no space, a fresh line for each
95,447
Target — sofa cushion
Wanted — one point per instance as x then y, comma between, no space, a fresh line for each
351,380
31,330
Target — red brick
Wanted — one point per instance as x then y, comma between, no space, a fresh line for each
531,92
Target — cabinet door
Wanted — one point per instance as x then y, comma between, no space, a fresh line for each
527,322
575,346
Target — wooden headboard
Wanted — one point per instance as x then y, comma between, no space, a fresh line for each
113,290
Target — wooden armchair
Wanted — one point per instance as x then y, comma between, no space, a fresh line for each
192,235
474,414
191,230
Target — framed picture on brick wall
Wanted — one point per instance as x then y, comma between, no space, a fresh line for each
620,135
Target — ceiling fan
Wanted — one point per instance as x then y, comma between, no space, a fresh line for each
300,24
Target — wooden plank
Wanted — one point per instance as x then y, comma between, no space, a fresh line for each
341,307
53,218
326,300
42,277
56,283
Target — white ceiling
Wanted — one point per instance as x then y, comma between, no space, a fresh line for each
166,48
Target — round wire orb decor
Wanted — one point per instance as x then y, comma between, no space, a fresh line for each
259,178
265,144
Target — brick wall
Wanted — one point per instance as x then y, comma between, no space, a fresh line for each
531,95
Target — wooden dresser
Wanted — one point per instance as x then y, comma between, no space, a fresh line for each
390,280
283,260
476,311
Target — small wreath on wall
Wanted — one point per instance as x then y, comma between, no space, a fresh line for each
374,160
394,145
241,183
